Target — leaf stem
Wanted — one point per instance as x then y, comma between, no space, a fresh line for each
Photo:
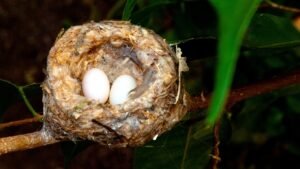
37,139
26,101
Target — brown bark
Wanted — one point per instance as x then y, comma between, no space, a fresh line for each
41,138
244,93
37,118
271,4
239,94
25,141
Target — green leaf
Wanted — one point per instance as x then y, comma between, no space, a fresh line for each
11,93
182,148
129,6
270,31
234,18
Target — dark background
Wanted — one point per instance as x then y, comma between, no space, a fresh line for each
262,132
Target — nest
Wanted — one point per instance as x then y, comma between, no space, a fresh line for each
116,47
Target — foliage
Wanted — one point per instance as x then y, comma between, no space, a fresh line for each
130,4
184,147
234,18
267,39
228,44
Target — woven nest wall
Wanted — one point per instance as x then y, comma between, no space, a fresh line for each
117,48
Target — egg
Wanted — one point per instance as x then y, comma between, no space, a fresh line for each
95,85
120,89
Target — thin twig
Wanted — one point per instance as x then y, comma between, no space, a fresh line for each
215,157
41,138
37,118
281,7
25,141
26,101
240,94
236,95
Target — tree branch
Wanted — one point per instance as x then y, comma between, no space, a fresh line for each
41,138
37,118
25,141
282,7
236,95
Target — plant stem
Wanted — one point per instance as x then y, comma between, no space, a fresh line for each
37,118
27,103
41,138
239,94
216,152
282,7
25,141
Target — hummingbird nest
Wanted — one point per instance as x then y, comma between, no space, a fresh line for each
116,47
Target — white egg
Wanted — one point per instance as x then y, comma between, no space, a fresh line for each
95,85
120,89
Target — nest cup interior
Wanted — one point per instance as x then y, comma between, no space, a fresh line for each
117,48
